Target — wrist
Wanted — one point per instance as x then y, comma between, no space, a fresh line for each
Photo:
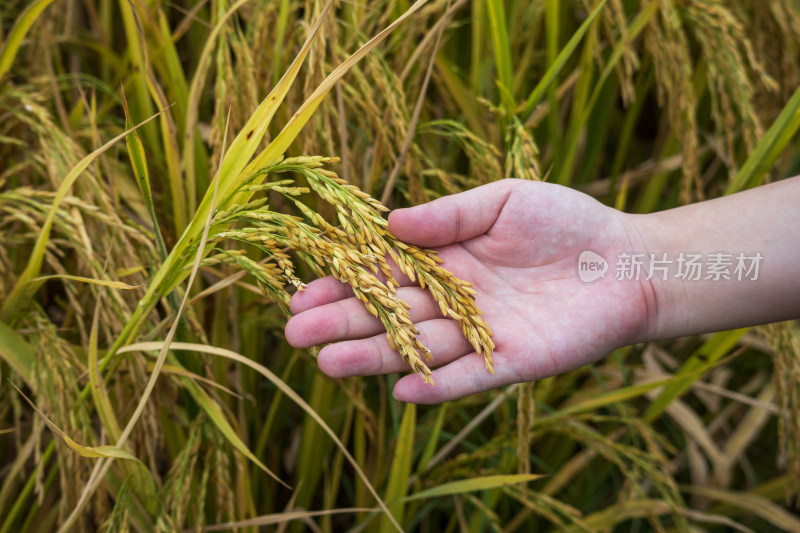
648,239
722,264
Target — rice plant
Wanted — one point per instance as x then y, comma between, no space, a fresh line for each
171,172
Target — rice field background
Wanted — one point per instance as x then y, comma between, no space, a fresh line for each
146,383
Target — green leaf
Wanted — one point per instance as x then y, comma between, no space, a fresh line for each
101,468
433,440
612,397
18,32
693,369
247,141
281,143
234,161
193,106
139,47
473,484
99,392
674,386
23,290
561,60
142,175
282,386
85,451
636,27
502,53
37,282
566,163
767,151
17,353
214,412
397,486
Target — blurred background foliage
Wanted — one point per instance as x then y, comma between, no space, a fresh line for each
643,104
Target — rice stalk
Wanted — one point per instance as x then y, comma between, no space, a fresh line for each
786,345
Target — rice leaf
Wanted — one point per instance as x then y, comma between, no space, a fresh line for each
141,478
692,370
552,25
637,25
433,440
18,32
138,47
280,384
280,518
758,505
280,32
84,451
561,60
37,282
502,53
614,514
397,486
169,66
142,175
472,485
17,353
246,142
563,168
214,411
292,129
193,106
101,468
99,393
761,161
23,290
232,164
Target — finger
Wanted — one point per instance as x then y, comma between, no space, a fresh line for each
452,218
366,357
329,289
349,319
464,376
319,292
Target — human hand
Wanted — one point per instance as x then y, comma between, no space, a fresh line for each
518,243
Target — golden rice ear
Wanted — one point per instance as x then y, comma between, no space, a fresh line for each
355,252
362,222
321,243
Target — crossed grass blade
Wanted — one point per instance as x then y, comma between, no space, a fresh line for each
278,382
25,287
85,451
18,32
102,466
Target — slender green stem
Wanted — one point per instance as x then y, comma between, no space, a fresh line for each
27,489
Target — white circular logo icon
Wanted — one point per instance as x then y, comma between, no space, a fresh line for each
591,266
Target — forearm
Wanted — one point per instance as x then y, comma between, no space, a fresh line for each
750,238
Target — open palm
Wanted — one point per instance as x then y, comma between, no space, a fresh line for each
518,243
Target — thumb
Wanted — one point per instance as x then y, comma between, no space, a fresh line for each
451,219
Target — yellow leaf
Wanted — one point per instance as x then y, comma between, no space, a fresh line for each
85,451
103,282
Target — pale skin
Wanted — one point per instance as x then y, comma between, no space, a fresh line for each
518,243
